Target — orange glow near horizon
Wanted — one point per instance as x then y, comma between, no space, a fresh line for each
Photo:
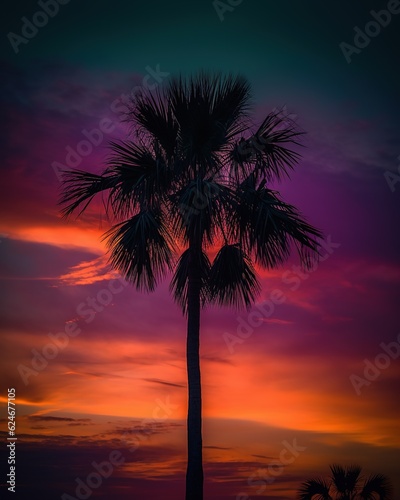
130,355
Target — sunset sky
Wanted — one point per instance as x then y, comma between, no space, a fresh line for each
293,386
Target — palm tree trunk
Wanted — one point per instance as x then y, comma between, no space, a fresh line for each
194,472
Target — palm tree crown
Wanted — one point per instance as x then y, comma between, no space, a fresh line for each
192,181
346,483
190,177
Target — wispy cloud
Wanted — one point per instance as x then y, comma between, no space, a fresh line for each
89,272
163,382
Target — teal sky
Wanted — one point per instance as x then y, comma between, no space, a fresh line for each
288,44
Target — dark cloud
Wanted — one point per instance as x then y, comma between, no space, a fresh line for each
163,382
217,359
49,418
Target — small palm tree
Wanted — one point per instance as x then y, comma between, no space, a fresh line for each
346,484
193,178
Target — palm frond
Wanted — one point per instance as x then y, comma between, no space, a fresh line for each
267,226
233,280
345,485
140,249
180,280
153,113
339,479
229,107
198,210
141,177
80,187
268,151
376,486
208,110
352,477
314,489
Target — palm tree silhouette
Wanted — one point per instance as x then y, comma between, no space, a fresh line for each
346,483
193,179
